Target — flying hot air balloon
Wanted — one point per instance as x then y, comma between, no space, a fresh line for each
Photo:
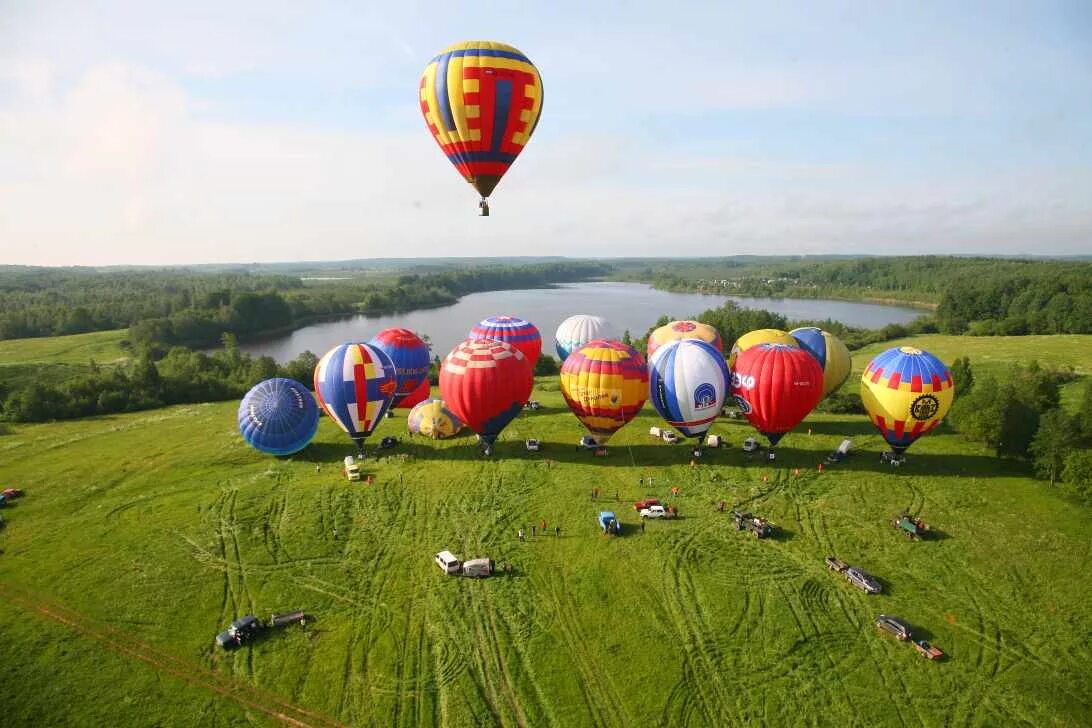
356,384
605,384
432,419
481,101
485,383
756,337
576,331
511,330
677,330
776,386
907,392
278,416
829,351
688,382
410,356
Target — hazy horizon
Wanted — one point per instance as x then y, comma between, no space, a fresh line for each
143,134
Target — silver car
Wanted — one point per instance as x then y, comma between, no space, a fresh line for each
863,580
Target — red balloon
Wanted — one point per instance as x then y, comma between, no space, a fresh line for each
776,386
417,396
485,383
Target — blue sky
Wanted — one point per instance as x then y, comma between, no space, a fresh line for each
148,133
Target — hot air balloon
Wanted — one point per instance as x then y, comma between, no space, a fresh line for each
432,419
829,351
278,416
759,336
605,384
907,392
416,397
776,386
688,382
677,330
481,101
511,330
576,331
410,356
485,383
355,384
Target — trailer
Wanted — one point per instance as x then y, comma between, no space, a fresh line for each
928,651
287,619
914,528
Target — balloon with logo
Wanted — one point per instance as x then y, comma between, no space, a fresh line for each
829,351
605,384
522,335
485,383
432,419
776,386
481,101
688,382
410,356
756,337
278,416
576,331
679,330
417,396
907,392
355,385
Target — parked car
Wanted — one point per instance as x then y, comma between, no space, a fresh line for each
658,511
609,523
448,562
533,445
750,445
669,437
863,580
893,626
646,503
11,493
532,404
387,443
588,443
713,441
241,630
757,525
655,432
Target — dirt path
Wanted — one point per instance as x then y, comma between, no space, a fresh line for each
126,645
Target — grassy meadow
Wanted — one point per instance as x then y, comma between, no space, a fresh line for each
141,536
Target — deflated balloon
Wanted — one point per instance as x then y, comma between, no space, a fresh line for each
432,419
906,392
756,337
605,384
829,351
511,330
485,383
410,356
481,101
576,331
678,330
776,386
688,383
355,384
278,416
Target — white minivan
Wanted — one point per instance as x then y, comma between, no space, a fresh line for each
449,562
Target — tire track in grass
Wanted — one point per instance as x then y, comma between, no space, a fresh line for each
127,645
539,703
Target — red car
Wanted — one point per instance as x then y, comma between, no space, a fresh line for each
12,493
648,502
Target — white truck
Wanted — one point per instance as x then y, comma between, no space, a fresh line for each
656,511
451,565
352,469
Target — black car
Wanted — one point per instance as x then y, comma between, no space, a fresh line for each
387,443
893,626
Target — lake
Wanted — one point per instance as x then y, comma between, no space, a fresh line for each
633,306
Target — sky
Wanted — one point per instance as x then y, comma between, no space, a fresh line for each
174,133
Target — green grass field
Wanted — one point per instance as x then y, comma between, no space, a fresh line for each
141,536
57,358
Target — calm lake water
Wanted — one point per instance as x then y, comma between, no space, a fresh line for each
632,306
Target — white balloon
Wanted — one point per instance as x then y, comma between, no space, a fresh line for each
576,331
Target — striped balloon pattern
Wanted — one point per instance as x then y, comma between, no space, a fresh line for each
776,386
432,419
481,101
576,331
907,392
756,337
688,383
829,351
410,356
355,385
278,416
511,330
605,384
679,330
485,383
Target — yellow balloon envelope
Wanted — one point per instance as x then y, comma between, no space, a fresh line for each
829,351
684,330
907,392
759,336
605,384
432,419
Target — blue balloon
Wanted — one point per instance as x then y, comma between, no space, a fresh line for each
278,416
688,381
811,340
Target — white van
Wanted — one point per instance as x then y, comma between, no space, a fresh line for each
654,432
713,441
449,562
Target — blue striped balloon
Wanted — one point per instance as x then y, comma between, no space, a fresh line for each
278,416
688,382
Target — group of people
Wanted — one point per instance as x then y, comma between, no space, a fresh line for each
536,529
